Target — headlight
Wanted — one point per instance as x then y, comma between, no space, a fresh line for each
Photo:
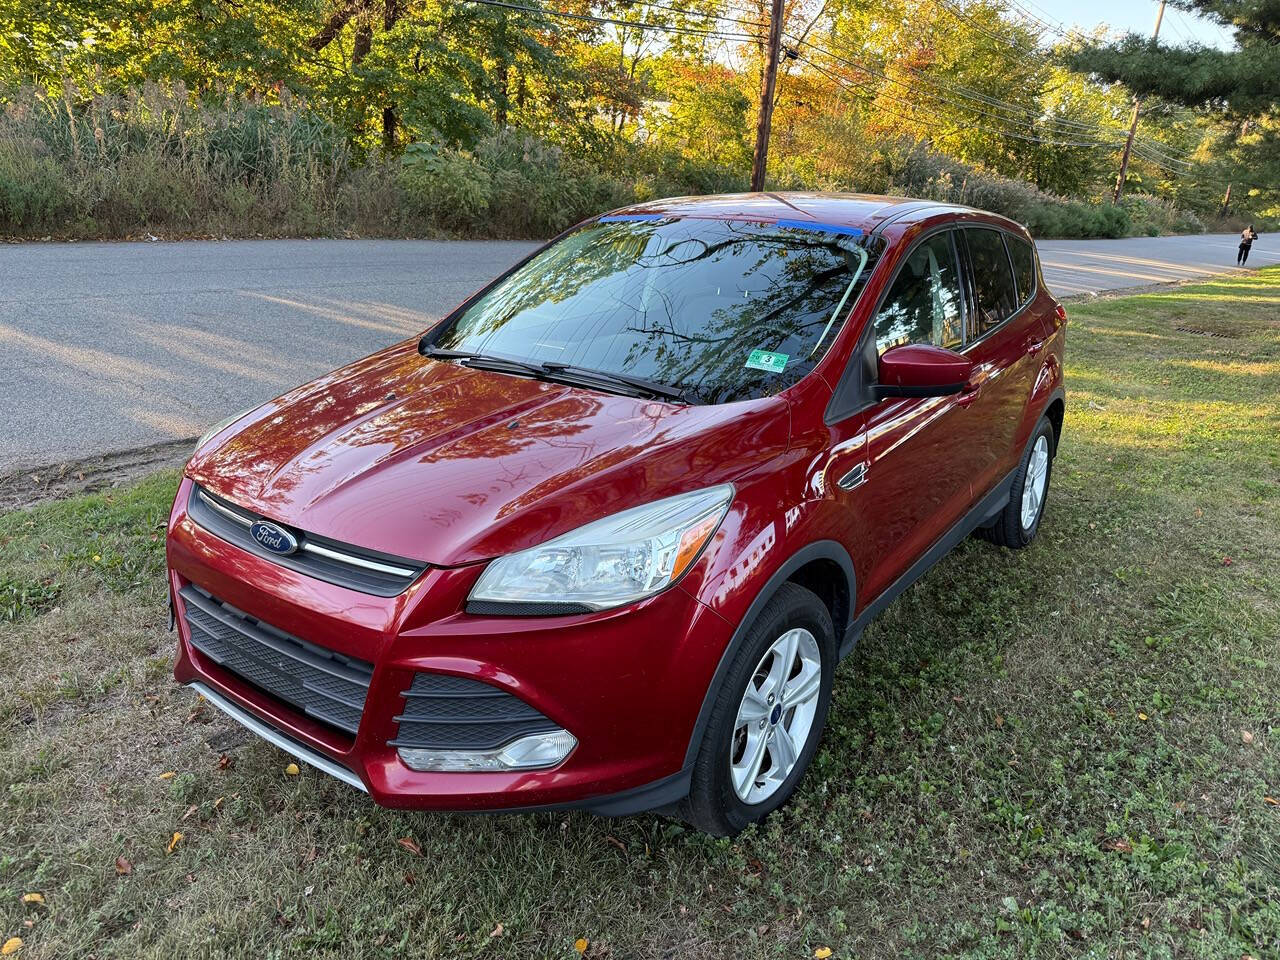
611,562
220,425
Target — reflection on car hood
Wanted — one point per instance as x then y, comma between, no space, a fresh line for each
448,465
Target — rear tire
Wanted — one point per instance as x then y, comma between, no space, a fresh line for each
1017,524
759,741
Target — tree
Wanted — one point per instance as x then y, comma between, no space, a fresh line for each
1232,87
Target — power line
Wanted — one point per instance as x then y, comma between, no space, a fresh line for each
1026,118
1001,118
998,132
591,18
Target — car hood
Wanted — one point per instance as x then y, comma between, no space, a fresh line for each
448,465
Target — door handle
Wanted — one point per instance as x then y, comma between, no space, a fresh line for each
854,478
1035,346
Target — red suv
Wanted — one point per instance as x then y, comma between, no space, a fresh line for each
599,538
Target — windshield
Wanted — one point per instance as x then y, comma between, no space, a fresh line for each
722,310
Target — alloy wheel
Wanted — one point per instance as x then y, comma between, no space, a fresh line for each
1034,483
775,717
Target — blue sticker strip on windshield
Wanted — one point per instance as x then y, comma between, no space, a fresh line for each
824,227
633,216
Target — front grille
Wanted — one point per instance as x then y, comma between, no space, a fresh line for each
341,563
456,713
321,683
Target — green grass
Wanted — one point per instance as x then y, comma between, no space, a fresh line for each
1064,751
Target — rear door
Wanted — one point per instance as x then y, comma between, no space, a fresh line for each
1005,339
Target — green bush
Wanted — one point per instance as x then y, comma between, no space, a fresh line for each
34,192
157,159
922,173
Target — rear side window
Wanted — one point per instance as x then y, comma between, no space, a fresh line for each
923,305
992,280
1024,267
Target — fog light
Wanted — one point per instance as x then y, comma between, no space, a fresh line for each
533,752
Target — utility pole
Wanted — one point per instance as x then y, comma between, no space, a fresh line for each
1133,123
760,159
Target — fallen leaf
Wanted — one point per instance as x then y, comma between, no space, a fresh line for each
495,932
123,867
190,810
1226,561
224,762
408,879
168,775
1142,716
1271,800
33,898
999,720
581,944
822,953
292,770
1146,923
616,842
1246,736
408,844
174,842
11,946
1120,846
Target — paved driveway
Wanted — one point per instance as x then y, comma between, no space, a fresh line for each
106,347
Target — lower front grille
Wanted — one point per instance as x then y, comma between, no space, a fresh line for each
321,683
456,713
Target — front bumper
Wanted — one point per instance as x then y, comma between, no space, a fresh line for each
627,684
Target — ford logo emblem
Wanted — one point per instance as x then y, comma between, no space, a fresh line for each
270,537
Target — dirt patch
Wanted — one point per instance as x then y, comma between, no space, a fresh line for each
26,488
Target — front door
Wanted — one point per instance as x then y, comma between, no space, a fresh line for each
914,479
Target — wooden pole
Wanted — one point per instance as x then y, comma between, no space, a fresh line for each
760,159
1133,123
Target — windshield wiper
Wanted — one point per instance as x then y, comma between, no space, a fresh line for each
483,361
561,373
637,385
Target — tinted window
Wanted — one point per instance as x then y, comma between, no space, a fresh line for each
683,302
1024,267
992,279
923,305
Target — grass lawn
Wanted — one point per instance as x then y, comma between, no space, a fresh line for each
1069,751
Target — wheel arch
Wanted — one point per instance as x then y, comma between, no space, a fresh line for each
1056,412
823,567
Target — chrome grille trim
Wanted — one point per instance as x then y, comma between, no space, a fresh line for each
358,561
276,738
351,567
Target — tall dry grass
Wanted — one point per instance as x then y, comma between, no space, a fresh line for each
112,165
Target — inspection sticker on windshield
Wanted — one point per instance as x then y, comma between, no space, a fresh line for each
769,362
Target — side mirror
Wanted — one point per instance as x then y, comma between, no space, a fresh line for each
921,370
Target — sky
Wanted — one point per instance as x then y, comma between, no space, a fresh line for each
1137,15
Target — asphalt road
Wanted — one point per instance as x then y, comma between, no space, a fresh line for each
106,347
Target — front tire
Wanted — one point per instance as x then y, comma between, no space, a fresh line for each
1017,524
768,715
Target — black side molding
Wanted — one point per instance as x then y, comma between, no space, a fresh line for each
984,510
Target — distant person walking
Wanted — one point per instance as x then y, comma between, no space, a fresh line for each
1247,236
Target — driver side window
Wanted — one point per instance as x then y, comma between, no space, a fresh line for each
923,305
